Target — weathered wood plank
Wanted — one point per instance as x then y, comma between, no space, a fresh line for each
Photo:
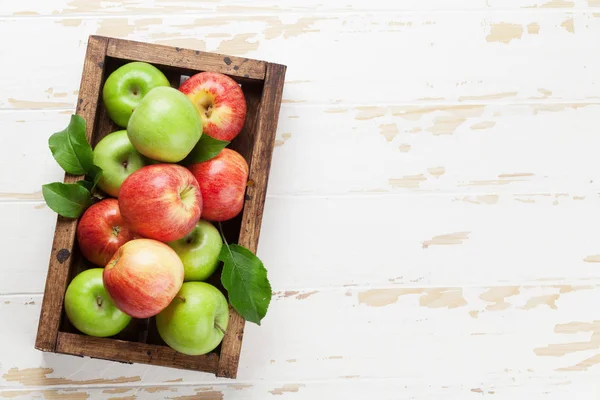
132,352
500,149
31,8
479,275
495,333
186,58
376,240
482,59
526,385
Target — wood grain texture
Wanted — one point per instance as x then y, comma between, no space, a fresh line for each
266,128
493,330
521,231
132,352
187,59
474,161
74,8
259,169
64,236
443,205
476,70
350,387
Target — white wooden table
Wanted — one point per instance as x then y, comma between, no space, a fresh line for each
432,224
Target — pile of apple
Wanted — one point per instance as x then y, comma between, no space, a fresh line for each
154,237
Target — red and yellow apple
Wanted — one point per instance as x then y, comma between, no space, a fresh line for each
220,103
143,277
161,201
222,182
101,231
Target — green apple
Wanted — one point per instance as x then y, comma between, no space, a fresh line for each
199,251
165,126
126,86
118,159
90,309
196,320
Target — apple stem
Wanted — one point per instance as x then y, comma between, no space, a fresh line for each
185,191
99,301
225,242
219,328
115,230
222,234
181,298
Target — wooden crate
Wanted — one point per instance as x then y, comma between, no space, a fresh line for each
262,83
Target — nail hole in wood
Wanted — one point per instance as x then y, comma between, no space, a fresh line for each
63,255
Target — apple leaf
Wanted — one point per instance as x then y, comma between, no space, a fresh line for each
71,149
245,278
86,184
67,199
95,173
92,179
206,148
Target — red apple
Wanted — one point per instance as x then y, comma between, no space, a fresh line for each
143,277
161,201
101,231
223,182
220,103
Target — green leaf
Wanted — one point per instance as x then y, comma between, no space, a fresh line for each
67,199
95,174
245,278
206,148
86,184
71,149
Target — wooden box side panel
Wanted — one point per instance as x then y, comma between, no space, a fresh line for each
64,235
260,163
193,60
133,352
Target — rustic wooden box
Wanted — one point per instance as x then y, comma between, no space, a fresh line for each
262,83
